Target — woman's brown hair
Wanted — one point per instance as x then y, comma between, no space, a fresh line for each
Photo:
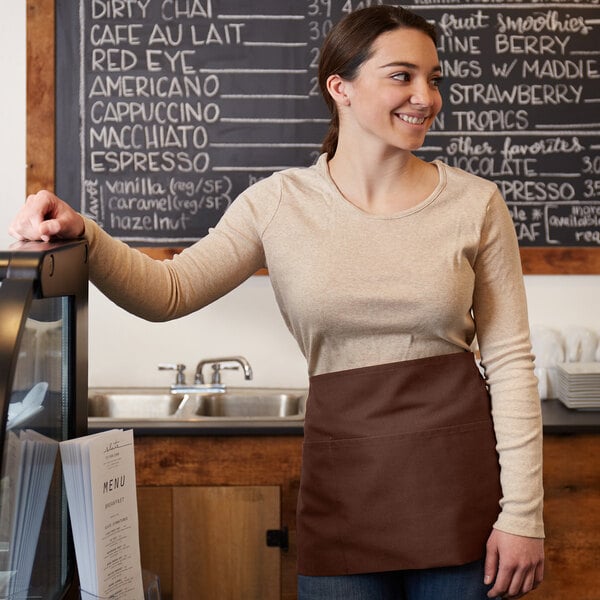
349,44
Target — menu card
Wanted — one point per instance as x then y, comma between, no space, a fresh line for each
99,473
28,467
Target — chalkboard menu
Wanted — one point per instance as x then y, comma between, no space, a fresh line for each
167,109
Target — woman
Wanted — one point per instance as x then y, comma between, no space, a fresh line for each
396,264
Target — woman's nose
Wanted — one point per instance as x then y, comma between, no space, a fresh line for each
423,94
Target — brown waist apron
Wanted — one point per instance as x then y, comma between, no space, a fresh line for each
399,470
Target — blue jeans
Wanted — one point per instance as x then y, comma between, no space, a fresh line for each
448,583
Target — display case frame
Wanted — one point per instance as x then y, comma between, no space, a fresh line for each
34,275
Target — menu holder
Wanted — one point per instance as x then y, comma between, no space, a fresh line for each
99,474
29,465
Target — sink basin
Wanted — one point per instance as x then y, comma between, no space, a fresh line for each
133,403
126,404
251,404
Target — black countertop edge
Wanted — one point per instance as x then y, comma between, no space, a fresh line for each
204,428
229,431
559,419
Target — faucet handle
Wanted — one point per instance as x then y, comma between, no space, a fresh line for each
180,377
218,367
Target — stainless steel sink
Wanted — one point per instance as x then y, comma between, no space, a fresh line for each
139,407
249,404
133,403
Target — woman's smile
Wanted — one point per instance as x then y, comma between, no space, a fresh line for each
411,119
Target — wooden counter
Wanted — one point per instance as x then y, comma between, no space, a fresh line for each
193,475
572,517
203,501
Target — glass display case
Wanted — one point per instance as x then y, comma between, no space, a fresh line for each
43,390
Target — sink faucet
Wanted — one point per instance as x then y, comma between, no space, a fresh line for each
219,364
180,377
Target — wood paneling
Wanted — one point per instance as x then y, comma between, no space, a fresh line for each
40,95
155,510
219,543
566,261
572,518
572,495
229,461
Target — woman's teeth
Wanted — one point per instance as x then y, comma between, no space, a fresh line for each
412,120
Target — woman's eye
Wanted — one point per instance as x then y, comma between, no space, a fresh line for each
437,81
401,76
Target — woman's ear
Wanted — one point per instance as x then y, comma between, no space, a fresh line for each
336,86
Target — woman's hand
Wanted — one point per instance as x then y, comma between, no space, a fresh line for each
45,216
514,563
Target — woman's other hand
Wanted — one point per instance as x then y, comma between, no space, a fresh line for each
514,563
45,216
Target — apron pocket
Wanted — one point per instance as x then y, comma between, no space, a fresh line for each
408,501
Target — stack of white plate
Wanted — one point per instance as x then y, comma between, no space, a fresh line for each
579,385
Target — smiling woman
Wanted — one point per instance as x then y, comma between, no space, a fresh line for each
344,52
385,268
386,105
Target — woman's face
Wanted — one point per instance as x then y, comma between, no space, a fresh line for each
395,97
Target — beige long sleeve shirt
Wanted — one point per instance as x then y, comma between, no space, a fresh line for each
358,290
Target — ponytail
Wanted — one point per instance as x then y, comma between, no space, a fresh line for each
330,142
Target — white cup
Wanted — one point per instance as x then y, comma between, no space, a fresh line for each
581,344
